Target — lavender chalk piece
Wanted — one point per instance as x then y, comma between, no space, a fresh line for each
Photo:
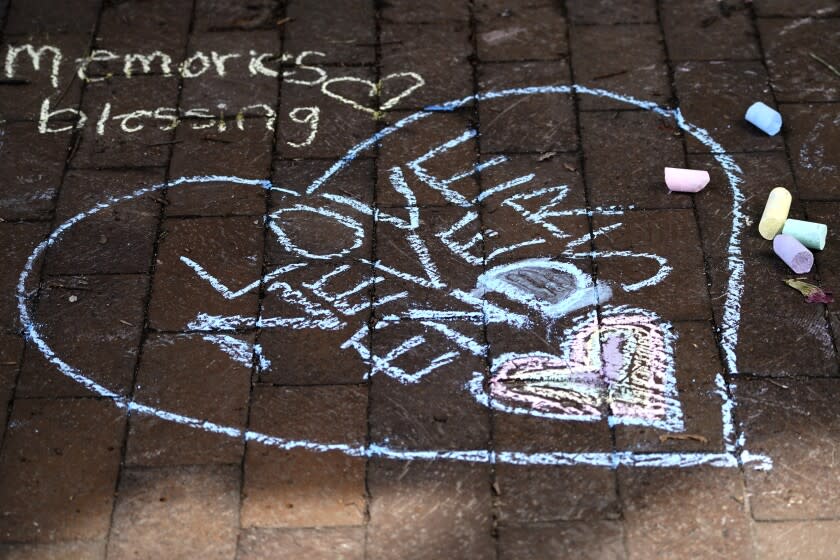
764,117
775,213
686,180
810,234
794,253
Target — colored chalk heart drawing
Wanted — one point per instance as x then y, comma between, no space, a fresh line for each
373,89
613,363
617,365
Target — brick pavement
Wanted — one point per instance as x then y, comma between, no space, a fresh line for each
83,474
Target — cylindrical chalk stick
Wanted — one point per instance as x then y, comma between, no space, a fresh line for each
686,180
775,213
810,234
794,253
764,117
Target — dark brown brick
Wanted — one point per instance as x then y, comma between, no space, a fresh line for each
429,510
604,12
19,240
436,411
118,239
538,123
347,39
437,52
626,59
42,16
707,30
716,95
626,153
520,33
190,375
59,469
176,513
704,505
406,11
591,540
93,323
533,494
215,15
230,249
814,149
790,421
333,543
142,28
32,164
670,234
298,487
794,74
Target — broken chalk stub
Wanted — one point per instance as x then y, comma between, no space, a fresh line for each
794,253
764,117
775,213
810,234
686,180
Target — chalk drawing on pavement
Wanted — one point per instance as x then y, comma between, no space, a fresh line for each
616,363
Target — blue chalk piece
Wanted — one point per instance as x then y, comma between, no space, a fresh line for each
764,117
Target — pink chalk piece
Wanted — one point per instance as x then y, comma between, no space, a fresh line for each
794,253
686,180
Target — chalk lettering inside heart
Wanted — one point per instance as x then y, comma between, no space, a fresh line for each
364,98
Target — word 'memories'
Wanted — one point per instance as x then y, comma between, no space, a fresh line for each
99,64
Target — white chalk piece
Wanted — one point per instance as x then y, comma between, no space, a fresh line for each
775,213
794,253
810,234
686,180
764,117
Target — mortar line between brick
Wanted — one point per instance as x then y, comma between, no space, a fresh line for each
592,248
374,238
495,501
52,218
146,301
256,356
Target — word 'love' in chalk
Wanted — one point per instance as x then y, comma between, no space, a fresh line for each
686,180
810,234
794,253
764,117
775,213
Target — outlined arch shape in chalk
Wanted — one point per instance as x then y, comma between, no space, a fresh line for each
733,456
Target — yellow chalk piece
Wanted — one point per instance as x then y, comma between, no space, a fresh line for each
775,213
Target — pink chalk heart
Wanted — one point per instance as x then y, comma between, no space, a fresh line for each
618,366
